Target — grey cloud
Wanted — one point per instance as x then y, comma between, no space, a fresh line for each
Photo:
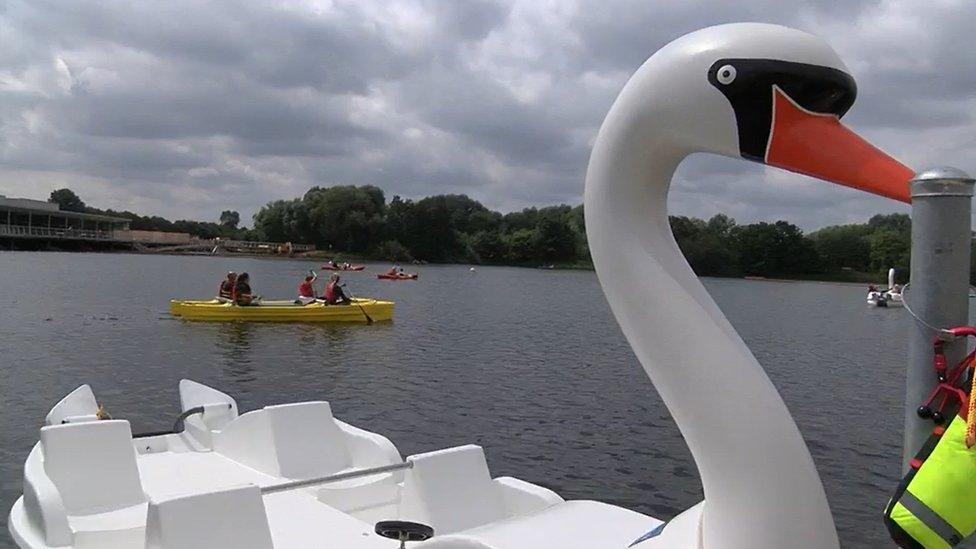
621,35
184,107
487,116
471,20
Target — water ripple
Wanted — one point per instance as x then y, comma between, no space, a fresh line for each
529,364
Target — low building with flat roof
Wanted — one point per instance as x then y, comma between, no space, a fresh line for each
26,219
37,225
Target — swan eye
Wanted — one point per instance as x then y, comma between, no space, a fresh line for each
726,74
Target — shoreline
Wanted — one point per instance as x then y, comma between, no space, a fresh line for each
798,280
319,256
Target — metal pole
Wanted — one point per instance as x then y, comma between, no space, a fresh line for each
939,291
335,478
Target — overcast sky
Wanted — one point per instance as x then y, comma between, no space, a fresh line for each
184,109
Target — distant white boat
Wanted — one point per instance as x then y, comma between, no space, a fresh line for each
892,297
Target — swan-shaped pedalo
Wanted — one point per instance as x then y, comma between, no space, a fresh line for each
765,93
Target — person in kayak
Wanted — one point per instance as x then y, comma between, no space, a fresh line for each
306,290
393,271
242,290
225,291
333,292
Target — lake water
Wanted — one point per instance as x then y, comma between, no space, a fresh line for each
527,363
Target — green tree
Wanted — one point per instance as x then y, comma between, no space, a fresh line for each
521,246
709,247
345,217
776,249
686,228
392,250
230,219
396,214
489,247
468,215
720,225
525,219
890,248
890,242
901,223
554,237
283,221
578,224
67,200
429,231
844,247
482,220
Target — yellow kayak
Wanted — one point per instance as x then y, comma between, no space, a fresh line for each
361,310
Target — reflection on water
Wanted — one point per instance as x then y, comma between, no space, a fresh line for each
234,342
541,376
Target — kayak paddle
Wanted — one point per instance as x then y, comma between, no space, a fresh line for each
352,299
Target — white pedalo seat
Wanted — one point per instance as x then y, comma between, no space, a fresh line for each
232,517
91,468
452,490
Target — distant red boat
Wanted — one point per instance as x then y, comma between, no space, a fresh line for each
398,276
342,268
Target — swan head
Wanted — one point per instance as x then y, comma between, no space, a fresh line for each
765,93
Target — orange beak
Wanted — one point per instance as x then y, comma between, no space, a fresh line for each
820,146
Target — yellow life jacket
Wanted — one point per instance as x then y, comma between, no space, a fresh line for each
935,503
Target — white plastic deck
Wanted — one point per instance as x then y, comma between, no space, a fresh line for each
89,484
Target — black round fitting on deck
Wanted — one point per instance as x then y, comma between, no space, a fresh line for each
402,530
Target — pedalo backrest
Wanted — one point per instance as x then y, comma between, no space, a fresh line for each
93,465
232,517
451,490
297,441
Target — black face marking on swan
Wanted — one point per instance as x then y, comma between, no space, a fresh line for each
748,85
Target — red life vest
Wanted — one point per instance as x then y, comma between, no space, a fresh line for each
330,291
305,289
226,289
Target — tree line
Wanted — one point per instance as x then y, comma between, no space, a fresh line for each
860,251
457,228
441,228
359,221
228,227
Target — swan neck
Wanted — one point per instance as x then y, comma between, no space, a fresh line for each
760,484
